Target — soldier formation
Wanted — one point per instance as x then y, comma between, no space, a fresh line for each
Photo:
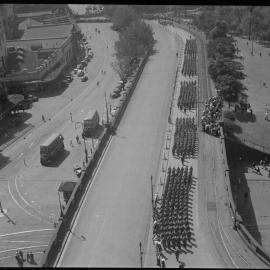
187,97
189,66
185,137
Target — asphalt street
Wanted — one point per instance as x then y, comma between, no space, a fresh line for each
28,190
116,212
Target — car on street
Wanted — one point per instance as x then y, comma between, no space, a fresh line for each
80,73
31,98
80,66
69,78
115,95
114,111
65,82
75,70
84,79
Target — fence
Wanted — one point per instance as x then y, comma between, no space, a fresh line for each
61,234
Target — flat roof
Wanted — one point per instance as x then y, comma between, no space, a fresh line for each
47,31
50,139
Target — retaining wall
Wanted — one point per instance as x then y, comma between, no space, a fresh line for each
62,231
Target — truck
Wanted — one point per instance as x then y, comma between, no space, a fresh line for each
90,122
50,148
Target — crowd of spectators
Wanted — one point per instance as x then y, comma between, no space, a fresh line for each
211,115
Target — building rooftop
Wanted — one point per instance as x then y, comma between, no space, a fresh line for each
52,31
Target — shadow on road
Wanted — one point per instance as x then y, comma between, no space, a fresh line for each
239,183
60,158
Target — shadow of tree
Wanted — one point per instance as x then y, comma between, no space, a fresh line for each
231,127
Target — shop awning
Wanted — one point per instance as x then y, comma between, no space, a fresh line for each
67,186
15,98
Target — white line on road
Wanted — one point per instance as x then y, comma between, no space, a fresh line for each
31,144
26,202
22,207
23,241
22,232
20,155
15,249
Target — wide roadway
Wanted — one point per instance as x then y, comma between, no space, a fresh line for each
116,212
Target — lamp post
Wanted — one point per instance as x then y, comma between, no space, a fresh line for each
61,209
141,253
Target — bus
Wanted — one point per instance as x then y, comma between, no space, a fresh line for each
50,148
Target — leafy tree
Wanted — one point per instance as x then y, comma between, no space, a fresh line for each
123,68
123,16
229,87
220,30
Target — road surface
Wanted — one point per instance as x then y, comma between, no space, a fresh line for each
116,213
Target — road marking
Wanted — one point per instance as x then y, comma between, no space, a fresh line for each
20,155
22,232
27,201
15,249
31,144
22,207
22,241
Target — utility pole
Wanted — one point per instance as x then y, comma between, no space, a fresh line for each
250,14
141,253
107,113
152,193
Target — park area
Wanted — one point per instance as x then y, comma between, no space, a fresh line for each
254,128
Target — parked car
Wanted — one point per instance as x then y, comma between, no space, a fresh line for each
84,79
69,78
114,111
64,82
30,97
75,70
80,66
84,63
115,95
80,73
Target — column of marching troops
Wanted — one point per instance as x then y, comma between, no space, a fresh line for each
189,66
172,228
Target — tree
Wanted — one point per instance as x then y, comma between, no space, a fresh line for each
123,16
229,87
220,30
123,68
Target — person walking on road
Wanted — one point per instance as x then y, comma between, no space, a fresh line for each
77,139
71,117
266,116
43,118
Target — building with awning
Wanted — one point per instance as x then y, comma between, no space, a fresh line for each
66,188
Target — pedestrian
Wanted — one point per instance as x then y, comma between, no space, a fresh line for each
32,260
28,257
260,54
71,117
77,139
268,173
266,115
70,143
21,255
253,164
183,160
251,112
43,118
158,260
264,83
163,265
24,162
258,170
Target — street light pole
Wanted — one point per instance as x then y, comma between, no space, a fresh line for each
141,254
107,113
61,210
85,150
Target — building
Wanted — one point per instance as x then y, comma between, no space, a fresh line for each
41,54
8,17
